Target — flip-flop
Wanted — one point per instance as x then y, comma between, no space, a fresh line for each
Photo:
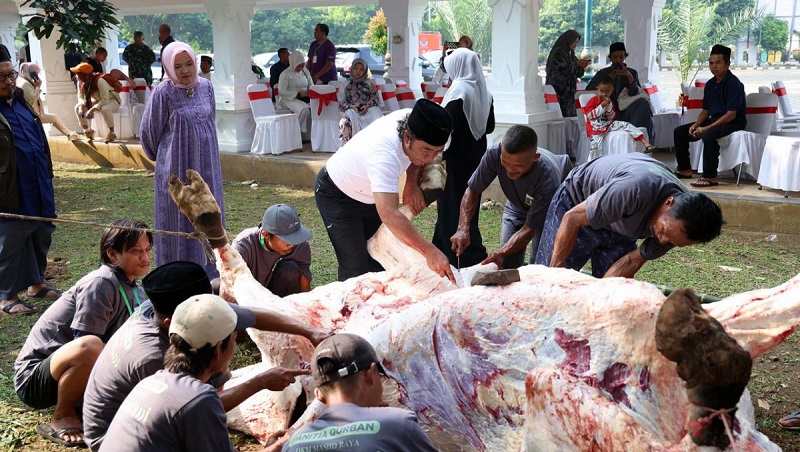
703,183
29,309
47,432
650,149
683,176
790,421
44,291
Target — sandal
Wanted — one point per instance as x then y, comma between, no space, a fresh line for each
683,176
703,183
44,292
29,308
56,436
790,421
650,149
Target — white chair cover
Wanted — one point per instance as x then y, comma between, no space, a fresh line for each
572,130
405,97
664,121
692,108
125,127
275,134
430,89
700,82
784,106
339,84
551,100
142,92
324,119
401,84
388,95
745,147
618,142
358,122
581,86
438,97
780,164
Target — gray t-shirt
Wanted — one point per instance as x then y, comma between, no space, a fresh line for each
261,261
529,196
93,305
622,193
133,353
351,428
169,412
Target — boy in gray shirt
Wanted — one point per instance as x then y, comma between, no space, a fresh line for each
347,373
604,206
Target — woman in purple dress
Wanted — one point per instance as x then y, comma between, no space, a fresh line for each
178,133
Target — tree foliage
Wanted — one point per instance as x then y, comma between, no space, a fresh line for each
80,23
376,34
468,17
558,16
773,33
193,29
688,31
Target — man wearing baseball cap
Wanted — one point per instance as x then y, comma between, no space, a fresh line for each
358,188
277,251
347,373
137,350
96,94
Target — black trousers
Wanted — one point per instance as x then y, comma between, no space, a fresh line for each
349,224
640,115
710,146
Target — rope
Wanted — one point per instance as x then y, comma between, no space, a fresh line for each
199,236
723,413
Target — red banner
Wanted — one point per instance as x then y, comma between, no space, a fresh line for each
324,99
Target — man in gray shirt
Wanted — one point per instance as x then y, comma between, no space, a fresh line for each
137,350
347,373
604,206
277,251
528,177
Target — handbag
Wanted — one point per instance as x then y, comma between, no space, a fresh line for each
624,100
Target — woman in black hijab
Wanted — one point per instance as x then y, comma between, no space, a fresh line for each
563,68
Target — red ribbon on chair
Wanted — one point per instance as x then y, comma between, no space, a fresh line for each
694,103
126,89
388,95
258,95
779,91
761,110
652,90
402,85
275,91
324,99
430,95
699,84
407,95
438,100
551,98
141,88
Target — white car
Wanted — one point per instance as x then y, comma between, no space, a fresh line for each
266,60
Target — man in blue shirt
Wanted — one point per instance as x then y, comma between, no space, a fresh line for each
723,113
26,188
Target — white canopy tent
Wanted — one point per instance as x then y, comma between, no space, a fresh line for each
514,82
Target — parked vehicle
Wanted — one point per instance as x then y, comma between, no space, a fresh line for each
156,67
429,62
266,60
345,54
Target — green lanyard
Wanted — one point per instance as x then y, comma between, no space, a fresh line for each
125,298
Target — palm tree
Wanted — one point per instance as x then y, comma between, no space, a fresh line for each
687,32
468,17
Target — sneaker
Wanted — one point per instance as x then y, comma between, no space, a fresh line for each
110,137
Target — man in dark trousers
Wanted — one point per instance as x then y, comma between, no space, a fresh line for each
26,185
277,68
723,113
603,207
528,176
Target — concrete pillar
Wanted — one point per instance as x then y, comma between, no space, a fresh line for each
61,93
641,32
232,73
514,81
111,43
404,19
8,31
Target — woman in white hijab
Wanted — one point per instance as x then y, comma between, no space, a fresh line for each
469,103
293,86
30,84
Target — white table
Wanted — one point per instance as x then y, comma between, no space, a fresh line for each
780,164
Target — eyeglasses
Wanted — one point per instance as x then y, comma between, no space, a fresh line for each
11,75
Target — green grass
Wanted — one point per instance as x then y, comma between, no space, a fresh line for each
100,195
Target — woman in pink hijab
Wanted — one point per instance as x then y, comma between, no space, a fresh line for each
178,132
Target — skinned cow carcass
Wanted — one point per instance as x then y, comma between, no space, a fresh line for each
556,361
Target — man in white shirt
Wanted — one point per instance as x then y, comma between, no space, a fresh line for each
205,67
358,189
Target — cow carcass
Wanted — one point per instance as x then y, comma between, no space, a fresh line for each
557,361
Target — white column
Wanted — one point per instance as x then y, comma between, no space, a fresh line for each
404,19
514,82
8,31
232,73
111,43
61,93
641,32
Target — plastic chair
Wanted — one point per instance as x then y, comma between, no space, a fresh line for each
744,148
617,142
388,95
275,134
324,119
405,97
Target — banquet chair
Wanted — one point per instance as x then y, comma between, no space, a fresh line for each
142,92
664,120
405,97
388,95
324,119
617,142
275,134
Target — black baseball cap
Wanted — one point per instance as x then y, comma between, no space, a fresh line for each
170,284
342,355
